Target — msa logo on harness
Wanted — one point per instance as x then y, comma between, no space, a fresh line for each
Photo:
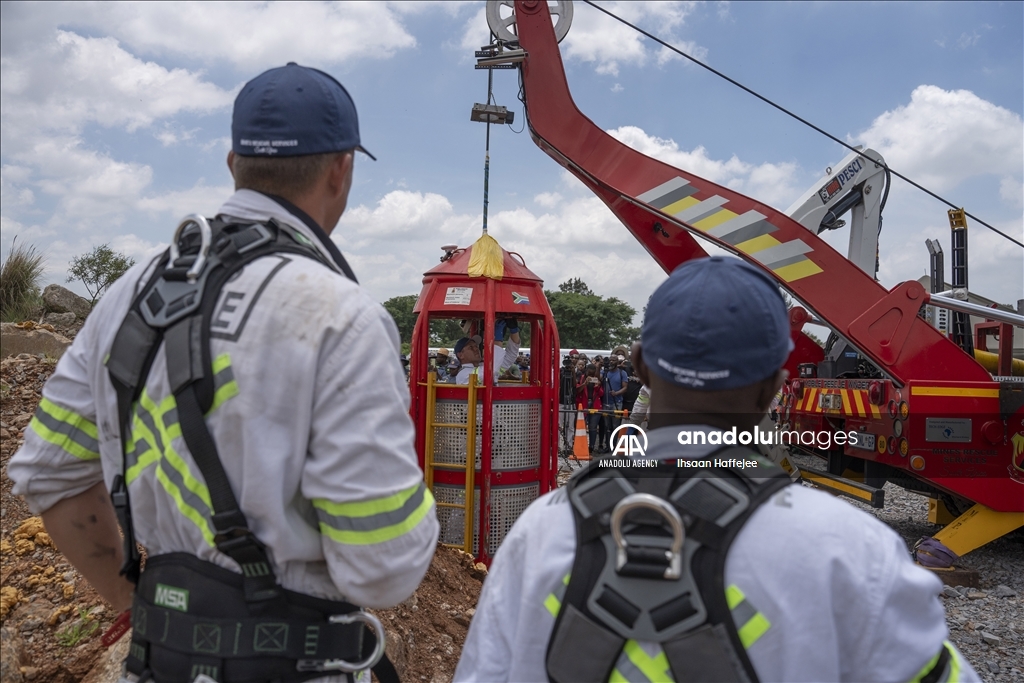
172,597
628,444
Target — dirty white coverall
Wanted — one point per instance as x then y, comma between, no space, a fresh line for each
836,588
310,418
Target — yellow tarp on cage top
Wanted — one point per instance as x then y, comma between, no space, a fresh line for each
486,259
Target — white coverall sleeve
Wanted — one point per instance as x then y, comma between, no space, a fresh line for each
910,614
61,454
376,517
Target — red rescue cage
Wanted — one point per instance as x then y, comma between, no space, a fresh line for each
515,438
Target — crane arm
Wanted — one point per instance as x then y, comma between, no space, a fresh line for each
664,207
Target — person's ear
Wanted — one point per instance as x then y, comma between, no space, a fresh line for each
231,162
339,175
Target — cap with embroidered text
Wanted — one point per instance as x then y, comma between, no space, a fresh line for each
716,323
294,111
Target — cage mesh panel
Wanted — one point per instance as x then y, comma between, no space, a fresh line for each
507,503
515,434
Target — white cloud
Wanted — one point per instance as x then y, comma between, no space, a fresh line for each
250,35
68,81
1012,191
943,137
548,199
967,40
768,182
593,32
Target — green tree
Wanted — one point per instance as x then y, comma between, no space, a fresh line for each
575,286
99,269
586,320
19,283
400,308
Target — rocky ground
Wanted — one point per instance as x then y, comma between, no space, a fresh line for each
52,619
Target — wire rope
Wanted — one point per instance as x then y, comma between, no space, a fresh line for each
795,116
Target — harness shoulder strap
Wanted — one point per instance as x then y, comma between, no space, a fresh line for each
651,545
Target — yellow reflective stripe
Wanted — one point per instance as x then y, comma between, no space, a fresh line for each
145,460
369,507
733,596
62,440
553,604
72,418
191,483
167,435
381,534
927,668
954,663
229,390
617,677
220,362
754,629
654,668
190,512
953,666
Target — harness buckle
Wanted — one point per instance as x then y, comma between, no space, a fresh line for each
625,553
341,664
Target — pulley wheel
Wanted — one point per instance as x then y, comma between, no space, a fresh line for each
561,12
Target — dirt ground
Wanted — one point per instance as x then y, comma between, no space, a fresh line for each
53,619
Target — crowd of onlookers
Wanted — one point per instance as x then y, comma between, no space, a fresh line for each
605,387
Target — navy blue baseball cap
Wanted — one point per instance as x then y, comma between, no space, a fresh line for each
293,111
716,323
461,344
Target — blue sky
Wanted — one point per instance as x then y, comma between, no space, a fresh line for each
115,122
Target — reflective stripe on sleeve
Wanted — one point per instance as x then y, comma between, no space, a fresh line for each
553,602
944,667
66,429
641,663
750,624
374,521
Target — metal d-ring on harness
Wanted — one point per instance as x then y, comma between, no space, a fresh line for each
193,618
645,501
650,568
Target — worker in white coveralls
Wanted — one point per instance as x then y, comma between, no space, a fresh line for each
297,501
681,565
470,355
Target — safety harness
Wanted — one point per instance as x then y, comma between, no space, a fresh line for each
192,618
651,545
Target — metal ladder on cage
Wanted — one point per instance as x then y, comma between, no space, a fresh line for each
962,335
470,467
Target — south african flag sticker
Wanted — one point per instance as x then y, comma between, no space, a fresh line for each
518,298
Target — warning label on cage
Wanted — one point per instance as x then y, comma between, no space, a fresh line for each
458,296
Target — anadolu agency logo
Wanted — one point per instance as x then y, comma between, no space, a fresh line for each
628,443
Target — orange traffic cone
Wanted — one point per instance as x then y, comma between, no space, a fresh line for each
581,446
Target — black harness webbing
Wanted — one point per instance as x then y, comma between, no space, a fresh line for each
191,617
630,581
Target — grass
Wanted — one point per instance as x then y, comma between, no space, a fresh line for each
80,630
19,283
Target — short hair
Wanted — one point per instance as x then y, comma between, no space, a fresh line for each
285,176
